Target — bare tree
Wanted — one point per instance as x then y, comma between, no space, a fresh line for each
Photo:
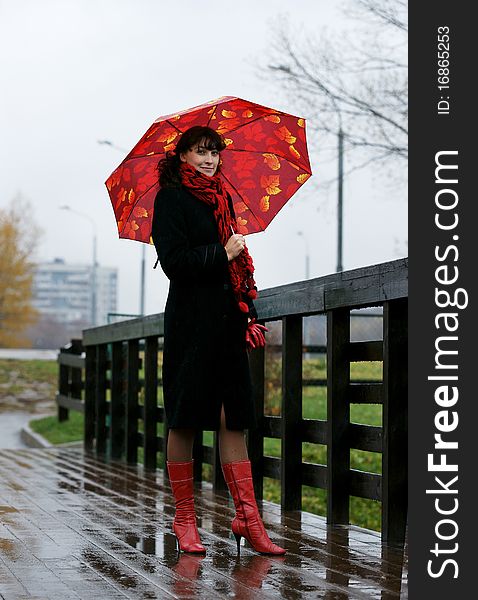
357,84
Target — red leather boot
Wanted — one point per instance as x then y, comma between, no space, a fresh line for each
247,522
184,524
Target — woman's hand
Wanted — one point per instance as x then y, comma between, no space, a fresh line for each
235,245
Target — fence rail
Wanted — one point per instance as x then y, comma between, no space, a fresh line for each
122,413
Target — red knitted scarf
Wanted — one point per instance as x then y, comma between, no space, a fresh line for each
210,190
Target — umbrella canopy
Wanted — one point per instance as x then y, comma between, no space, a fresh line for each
264,164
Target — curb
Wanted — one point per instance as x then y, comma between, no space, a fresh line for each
35,440
32,439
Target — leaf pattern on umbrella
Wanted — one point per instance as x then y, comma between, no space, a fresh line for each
264,203
265,159
271,184
284,134
272,161
140,212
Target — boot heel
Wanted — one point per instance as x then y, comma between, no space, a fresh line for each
238,542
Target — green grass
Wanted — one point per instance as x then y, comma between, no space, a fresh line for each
18,375
30,371
60,433
365,513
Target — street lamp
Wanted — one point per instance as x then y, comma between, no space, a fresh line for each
340,198
307,256
306,322
143,251
95,262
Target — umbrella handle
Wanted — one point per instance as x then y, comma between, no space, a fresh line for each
233,232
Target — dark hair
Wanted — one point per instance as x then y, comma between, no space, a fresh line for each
168,167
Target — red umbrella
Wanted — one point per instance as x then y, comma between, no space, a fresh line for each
264,164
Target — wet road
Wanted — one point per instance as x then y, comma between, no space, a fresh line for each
10,426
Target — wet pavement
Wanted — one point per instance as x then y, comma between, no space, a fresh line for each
11,424
72,526
28,354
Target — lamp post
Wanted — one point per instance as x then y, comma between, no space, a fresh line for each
306,322
307,256
340,199
143,251
94,313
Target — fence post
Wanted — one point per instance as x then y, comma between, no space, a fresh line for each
150,402
90,397
63,384
255,435
76,374
69,378
132,389
291,413
395,419
101,432
218,482
198,455
338,416
117,402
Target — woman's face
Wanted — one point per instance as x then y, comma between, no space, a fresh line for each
203,160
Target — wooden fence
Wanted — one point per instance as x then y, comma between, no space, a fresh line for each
122,411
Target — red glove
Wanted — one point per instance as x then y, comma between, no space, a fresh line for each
255,335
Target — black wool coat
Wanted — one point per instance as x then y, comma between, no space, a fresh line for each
205,360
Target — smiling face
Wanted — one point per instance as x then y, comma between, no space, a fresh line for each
201,158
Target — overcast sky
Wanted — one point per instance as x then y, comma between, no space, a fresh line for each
75,72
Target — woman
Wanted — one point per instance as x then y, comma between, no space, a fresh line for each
209,324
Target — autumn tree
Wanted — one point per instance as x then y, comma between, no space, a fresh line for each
356,83
18,238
